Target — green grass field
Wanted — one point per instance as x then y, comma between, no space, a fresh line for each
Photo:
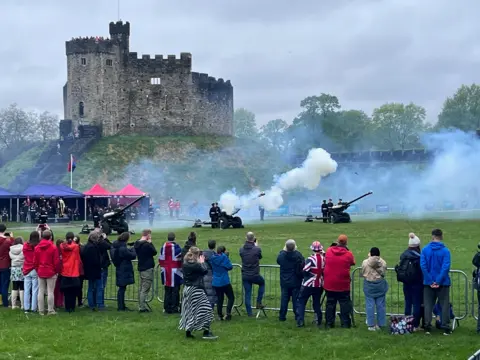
113,335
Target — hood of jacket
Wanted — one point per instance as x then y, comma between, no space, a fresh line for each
249,245
411,254
16,249
374,262
118,244
139,243
338,250
437,245
44,244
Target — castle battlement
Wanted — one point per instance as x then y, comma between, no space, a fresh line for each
159,61
89,45
206,82
119,27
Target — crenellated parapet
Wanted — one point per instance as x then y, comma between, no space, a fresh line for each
152,64
89,45
209,83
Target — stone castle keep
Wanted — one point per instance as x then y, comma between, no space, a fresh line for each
110,86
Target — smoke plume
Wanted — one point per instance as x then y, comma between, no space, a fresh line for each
317,165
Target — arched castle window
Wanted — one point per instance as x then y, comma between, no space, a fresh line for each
81,109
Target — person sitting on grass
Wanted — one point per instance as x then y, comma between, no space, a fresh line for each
375,288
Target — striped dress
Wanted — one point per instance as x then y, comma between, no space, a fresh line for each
197,313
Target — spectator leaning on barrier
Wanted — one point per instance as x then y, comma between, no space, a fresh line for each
410,274
291,264
435,263
207,281
122,257
145,251
375,288
104,246
251,254
312,285
476,283
170,260
221,265
338,261
92,270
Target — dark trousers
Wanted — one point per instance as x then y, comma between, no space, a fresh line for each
80,292
221,292
171,300
430,297
325,216
305,293
121,298
262,215
214,221
4,284
413,294
70,297
343,298
478,313
248,283
286,295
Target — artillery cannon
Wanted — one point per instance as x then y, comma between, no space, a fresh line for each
338,215
114,220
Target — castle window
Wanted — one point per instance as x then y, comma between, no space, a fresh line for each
109,62
84,61
81,109
155,81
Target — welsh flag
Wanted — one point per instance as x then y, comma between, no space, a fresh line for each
71,164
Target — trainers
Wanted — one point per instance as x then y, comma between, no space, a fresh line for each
372,328
228,317
209,336
447,332
260,306
52,313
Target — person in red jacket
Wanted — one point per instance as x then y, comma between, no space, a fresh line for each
336,277
47,264
31,279
177,208
70,279
6,240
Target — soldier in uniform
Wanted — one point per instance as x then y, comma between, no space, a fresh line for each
96,217
151,214
262,212
329,207
340,202
214,216
325,211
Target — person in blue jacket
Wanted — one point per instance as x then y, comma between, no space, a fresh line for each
221,265
435,264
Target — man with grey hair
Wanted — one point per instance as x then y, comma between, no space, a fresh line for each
251,254
291,264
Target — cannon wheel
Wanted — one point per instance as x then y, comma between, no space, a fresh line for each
237,222
335,218
224,224
123,227
105,228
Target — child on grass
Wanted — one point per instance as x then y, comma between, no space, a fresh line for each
16,273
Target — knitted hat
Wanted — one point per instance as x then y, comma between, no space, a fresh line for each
413,240
342,239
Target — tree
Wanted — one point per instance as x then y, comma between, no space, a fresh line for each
349,129
16,126
48,126
244,124
397,126
462,110
275,133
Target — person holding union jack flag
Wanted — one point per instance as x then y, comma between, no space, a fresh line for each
170,260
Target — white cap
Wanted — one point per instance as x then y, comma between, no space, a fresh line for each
413,240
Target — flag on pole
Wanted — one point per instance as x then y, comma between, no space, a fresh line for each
71,164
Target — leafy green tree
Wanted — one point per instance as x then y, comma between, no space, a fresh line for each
397,126
275,133
349,129
244,124
462,110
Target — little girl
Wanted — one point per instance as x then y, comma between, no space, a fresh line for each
16,255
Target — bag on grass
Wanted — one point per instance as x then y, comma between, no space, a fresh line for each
401,325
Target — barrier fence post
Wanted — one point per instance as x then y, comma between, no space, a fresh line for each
475,303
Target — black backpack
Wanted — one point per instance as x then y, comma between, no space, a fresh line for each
408,269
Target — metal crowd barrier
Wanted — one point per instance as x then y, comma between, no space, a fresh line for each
475,303
475,356
459,297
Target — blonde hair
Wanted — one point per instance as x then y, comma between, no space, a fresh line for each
192,255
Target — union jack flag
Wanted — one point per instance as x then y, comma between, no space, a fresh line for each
171,263
313,271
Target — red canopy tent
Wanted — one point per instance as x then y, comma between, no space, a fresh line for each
98,191
129,191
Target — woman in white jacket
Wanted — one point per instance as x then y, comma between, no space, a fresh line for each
16,255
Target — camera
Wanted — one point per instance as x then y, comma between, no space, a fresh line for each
7,234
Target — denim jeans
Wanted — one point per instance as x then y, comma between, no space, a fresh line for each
104,286
94,294
248,283
378,304
31,291
4,284
413,299
305,293
286,294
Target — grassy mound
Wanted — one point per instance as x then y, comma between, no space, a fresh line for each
70,336
168,166
17,165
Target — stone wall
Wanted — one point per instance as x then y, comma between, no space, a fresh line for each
150,95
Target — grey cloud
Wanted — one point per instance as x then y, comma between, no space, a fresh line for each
275,52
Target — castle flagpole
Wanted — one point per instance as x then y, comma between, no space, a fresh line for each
118,10
71,171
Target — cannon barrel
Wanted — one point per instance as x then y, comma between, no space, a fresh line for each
358,198
122,210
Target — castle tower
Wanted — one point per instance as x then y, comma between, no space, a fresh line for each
95,69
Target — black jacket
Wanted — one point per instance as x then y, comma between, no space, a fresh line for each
92,263
145,252
186,247
122,259
193,273
251,256
415,259
476,260
291,268
104,246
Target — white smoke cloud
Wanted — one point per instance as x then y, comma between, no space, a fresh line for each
317,165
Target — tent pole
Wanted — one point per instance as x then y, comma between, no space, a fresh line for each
10,214
18,211
85,214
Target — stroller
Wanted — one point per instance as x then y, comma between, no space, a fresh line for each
437,311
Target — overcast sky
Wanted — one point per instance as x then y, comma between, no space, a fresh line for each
275,52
